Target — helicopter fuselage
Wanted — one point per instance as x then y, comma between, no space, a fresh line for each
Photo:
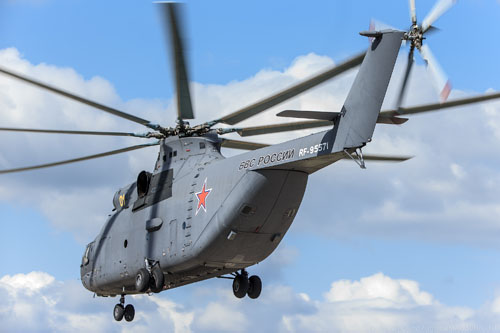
202,215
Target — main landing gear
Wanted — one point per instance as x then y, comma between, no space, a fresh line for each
244,285
121,310
151,279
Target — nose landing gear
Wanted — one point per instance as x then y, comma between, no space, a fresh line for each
121,310
244,285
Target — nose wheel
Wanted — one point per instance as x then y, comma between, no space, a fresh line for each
244,285
121,311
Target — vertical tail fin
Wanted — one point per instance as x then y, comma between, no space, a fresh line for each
354,128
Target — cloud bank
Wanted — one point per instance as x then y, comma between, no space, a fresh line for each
37,302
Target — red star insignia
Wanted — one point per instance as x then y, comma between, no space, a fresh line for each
202,197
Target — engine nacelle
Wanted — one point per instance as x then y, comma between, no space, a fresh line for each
121,198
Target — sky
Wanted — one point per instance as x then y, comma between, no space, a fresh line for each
406,246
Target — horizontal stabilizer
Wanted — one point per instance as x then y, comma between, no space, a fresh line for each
318,115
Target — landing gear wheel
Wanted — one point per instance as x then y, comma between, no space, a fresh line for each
240,286
157,279
254,286
118,312
129,312
142,280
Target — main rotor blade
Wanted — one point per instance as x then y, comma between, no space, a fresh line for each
293,91
413,12
172,21
79,99
439,106
405,79
440,79
31,130
79,159
236,144
382,158
285,127
439,9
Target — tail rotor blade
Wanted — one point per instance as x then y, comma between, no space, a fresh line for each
171,13
376,25
437,11
413,12
439,77
405,79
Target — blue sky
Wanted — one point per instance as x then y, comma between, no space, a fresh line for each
433,220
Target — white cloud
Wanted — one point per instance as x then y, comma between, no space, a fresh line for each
37,302
219,317
379,303
169,312
379,287
457,171
55,306
29,283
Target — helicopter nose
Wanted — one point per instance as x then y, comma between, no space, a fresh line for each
86,280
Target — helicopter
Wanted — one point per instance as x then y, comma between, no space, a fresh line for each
199,215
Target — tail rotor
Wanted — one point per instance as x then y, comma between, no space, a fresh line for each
415,37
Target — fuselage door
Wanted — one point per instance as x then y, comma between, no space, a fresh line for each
172,246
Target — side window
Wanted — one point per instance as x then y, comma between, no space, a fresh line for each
202,145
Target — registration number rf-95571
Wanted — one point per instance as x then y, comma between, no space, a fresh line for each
313,149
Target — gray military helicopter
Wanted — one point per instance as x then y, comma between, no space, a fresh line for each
199,215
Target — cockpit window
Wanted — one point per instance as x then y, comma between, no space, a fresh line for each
85,259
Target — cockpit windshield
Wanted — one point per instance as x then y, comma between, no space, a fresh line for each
85,259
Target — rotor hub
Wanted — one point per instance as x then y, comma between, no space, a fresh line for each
416,36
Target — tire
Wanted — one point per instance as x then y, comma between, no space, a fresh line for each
118,312
142,280
254,286
157,279
129,312
240,286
